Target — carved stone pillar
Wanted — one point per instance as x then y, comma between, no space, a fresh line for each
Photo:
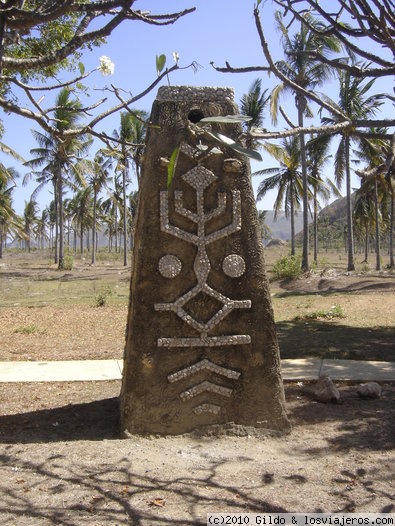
201,350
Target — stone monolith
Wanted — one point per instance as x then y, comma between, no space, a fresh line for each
201,350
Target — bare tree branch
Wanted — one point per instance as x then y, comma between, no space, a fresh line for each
19,17
92,13
298,89
376,24
327,130
42,116
248,69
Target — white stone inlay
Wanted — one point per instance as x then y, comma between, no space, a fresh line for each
200,178
206,341
233,266
204,387
203,365
207,408
169,266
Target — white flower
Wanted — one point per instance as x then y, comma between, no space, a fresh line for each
176,57
106,67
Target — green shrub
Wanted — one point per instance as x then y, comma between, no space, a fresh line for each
365,267
336,311
102,297
68,262
287,267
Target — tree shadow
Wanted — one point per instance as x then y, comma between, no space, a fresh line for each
65,466
328,286
98,420
32,274
362,424
103,493
333,340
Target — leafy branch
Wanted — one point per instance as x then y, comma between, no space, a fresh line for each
217,137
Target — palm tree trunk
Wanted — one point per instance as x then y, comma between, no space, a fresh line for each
82,240
93,260
377,218
315,226
301,103
75,240
56,202
391,227
366,242
116,229
292,219
350,232
61,221
125,219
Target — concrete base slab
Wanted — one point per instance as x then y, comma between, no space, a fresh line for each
301,369
359,371
101,370
69,371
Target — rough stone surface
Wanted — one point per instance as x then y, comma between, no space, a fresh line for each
324,390
369,390
201,347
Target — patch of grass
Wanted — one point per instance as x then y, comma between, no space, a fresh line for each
336,311
104,256
29,329
287,267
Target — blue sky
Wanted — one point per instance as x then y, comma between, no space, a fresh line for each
217,31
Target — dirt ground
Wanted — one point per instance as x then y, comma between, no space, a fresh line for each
62,461
29,326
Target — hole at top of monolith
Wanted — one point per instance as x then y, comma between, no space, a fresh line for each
195,115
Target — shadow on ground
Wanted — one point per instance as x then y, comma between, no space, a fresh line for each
333,340
363,424
117,494
65,466
98,420
342,283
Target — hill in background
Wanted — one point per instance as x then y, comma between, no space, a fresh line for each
281,227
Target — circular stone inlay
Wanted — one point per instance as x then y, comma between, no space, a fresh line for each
234,266
169,266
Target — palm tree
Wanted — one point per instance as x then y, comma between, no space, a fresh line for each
10,222
317,150
130,138
392,222
253,103
110,208
9,174
287,178
264,228
133,207
29,219
300,68
374,185
52,223
42,223
364,215
96,174
354,104
81,207
56,152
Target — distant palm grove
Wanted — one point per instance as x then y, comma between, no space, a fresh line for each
307,162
